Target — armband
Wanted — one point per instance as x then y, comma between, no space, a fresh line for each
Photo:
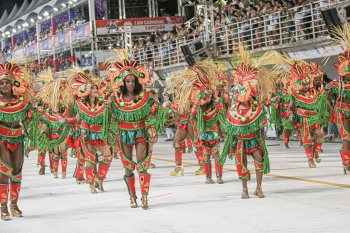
194,110
70,121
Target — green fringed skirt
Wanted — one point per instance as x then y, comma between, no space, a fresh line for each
211,137
249,145
131,137
92,137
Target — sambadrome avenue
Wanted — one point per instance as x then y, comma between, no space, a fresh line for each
174,116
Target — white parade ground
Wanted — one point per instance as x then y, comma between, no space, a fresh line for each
298,198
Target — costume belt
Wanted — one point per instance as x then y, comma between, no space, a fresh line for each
305,113
285,106
7,131
343,106
95,128
131,125
250,136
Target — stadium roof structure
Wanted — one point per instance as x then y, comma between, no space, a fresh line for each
27,13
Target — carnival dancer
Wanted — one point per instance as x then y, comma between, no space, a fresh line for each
92,113
184,128
317,76
281,102
170,116
199,79
131,107
246,119
55,133
42,152
14,108
310,108
341,89
221,90
207,110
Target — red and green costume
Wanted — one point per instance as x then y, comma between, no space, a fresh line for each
342,111
14,111
130,128
246,135
309,115
183,122
209,133
286,122
42,152
93,130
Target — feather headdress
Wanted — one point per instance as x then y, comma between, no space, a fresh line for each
198,81
341,37
120,67
78,85
301,75
52,92
294,72
13,73
253,79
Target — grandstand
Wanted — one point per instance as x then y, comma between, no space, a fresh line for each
57,33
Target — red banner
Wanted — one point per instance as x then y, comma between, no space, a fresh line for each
74,35
140,24
66,38
57,41
49,43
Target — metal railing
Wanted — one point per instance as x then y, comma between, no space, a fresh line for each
261,33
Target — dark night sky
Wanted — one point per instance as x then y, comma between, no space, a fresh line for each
10,4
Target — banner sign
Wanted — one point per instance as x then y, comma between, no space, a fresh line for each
56,41
45,44
74,35
61,39
31,50
66,38
139,24
35,48
49,43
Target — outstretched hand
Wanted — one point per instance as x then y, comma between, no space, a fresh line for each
61,120
34,101
329,86
110,99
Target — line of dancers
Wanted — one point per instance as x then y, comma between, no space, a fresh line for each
117,114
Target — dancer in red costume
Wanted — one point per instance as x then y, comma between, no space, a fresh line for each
93,132
208,141
246,119
55,133
131,107
341,90
42,152
307,109
206,110
14,108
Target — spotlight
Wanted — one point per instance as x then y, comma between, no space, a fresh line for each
19,27
70,2
14,30
46,13
39,17
55,9
3,34
32,20
64,5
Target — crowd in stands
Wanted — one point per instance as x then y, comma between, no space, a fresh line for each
256,23
44,34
